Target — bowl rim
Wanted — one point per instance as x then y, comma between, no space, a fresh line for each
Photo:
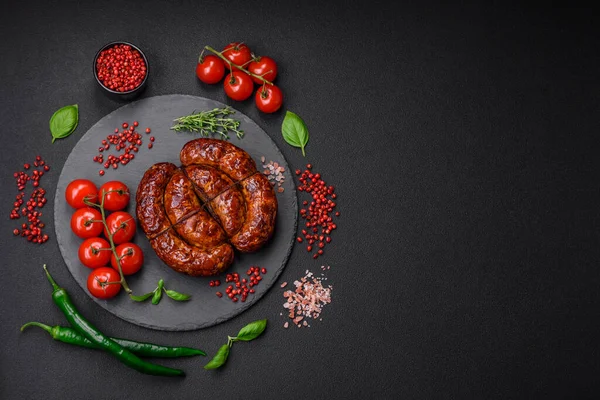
111,44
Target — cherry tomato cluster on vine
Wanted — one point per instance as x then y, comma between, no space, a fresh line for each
239,82
95,251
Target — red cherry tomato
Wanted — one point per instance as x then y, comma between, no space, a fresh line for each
116,195
81,189
97,283
265,67
130,256
94,252
268,98
237,53
82,225
238,86
121,225
211,69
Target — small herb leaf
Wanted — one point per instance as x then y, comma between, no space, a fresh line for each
141,298
177,296
209,122
252,330
219,359
294,131
158,292
64,121
156,297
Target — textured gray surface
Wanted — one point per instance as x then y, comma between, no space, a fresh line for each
205,308
462,140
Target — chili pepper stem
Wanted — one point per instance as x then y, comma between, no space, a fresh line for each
54,285
222,57
38,324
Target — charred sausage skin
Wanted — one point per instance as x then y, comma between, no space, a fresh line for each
193,215
219,154
197,256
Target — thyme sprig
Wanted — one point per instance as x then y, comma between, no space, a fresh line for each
209,122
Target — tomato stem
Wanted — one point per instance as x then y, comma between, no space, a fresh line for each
241,68
109,234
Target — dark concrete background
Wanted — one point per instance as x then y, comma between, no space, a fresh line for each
461,140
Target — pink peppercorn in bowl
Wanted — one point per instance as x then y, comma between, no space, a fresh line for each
121,69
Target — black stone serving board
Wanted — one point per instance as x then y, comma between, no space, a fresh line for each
205,308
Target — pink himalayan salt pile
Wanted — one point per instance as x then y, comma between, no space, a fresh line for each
308,300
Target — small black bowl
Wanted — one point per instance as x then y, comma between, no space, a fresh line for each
131,94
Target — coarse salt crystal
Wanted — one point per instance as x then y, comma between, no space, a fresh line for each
308,300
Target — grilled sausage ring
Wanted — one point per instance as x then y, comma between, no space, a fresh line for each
195,215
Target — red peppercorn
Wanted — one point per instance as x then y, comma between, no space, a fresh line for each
121,68
219,294
149,145
148,130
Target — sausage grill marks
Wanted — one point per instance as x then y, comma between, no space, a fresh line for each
195,214
205,206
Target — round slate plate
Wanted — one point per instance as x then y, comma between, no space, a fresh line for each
205,308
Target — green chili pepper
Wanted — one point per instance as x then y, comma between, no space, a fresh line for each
71,336
90,332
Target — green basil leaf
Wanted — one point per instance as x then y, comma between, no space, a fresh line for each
252,330
158,292
143,297
64,121
177,296
156,297
219,359
294,131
